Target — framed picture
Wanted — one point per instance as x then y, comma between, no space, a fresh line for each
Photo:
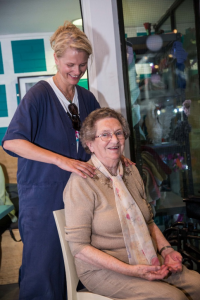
25,83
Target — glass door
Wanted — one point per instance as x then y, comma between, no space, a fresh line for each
163,83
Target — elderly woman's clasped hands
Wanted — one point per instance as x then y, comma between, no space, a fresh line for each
172,264
173,261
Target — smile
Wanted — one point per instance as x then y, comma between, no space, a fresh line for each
114,148
74,76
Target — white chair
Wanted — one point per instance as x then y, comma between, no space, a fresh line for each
71,275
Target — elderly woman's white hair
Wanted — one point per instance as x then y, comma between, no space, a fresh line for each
88,129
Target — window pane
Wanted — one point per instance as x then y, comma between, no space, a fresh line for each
163,77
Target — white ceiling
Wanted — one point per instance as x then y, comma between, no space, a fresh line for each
31,16
137,12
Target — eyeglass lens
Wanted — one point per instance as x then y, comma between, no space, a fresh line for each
108,136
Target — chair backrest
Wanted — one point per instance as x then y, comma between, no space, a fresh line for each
71,275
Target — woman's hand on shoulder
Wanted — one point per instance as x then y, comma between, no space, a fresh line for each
150,272
125,161
76,166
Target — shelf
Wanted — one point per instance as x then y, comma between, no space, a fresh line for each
166,37
167,147
139,43
172,204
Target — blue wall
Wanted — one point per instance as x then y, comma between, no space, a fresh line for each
28,56
2,132
3,102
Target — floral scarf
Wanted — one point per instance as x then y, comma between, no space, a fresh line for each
136,235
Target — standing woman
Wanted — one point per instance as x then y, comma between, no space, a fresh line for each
44,135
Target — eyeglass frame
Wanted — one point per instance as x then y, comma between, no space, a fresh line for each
111,135
72,114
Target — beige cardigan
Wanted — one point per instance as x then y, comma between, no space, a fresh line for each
91,214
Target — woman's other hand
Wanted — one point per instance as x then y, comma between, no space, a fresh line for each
125,161
173,260
76,166
151,272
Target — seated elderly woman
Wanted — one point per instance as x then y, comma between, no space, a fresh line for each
109,224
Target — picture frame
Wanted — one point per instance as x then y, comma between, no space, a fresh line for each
26,82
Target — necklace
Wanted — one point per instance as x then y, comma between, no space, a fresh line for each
67,96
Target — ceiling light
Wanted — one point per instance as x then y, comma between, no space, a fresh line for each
78,22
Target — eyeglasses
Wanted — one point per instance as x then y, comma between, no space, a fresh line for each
107,136
74,116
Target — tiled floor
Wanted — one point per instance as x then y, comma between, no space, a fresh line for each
9,292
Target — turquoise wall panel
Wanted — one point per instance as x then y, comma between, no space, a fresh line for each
1,62
2,132
3,101
83,83
28,56
17,93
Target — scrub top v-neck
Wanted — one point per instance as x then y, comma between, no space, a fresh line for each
65,103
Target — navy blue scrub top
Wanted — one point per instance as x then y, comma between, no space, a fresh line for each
41,120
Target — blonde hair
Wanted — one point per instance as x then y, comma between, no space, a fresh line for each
88,128
67,36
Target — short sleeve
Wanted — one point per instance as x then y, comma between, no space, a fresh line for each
24,124
79,201
95,103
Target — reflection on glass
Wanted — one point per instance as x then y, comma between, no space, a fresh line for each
163,78
186,26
